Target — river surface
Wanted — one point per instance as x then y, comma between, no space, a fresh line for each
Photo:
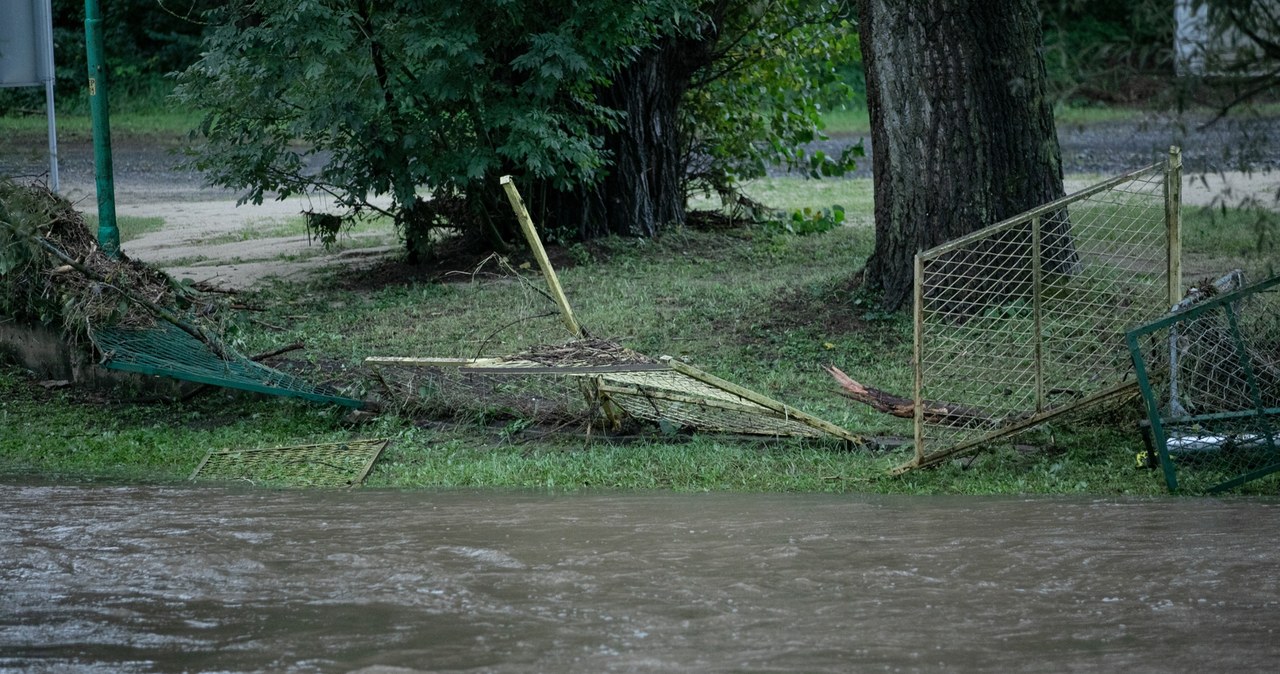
169,579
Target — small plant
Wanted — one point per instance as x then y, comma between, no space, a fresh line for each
323,226
579,253
804,221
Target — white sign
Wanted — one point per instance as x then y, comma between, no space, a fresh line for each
26,59
26,43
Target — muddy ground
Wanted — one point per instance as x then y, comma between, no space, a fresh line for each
1233,159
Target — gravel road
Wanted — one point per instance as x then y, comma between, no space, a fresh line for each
147,169
1115,147
1236,157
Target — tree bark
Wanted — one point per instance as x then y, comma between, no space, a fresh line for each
938,413
961,126
643,189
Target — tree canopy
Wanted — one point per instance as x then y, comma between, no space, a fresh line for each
418,99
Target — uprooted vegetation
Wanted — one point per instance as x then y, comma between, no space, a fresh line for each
53,271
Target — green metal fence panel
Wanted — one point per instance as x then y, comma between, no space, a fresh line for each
164,350
1210,379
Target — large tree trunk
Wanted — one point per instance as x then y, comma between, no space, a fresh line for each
643,190
961,127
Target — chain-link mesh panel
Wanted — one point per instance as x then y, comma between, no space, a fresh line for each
336,464
582,392
1026,318
1212,386
685,401
168,351
475,394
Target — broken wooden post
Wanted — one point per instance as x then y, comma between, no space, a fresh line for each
540,253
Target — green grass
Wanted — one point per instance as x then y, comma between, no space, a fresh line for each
854,121
795,193
846,121
141,109
1216,240
56,436
175,124
760,308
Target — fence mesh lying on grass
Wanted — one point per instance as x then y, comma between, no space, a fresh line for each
335,464
1210,377
1026,318
165,350
589,380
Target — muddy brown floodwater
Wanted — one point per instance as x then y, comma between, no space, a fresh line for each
169,579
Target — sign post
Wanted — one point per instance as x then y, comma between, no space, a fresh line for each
26,59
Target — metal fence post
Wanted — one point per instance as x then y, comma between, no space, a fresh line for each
918,361
108,233
1173,222
1036,296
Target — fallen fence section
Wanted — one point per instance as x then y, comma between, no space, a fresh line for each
165,350
1026,319
1210,378
668,392
337,464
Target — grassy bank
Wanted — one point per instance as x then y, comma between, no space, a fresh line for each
152,116
760,307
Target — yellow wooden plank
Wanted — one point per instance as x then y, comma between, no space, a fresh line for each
430,362
540,253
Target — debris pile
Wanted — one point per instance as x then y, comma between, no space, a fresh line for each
52,270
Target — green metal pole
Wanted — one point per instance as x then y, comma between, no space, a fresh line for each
108,233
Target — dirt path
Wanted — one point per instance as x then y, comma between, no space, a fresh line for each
214,241
206,237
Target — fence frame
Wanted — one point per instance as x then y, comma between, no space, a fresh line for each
1172,191
1159,422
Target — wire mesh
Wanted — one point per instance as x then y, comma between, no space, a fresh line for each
337,464
682,400
585,393
454,392
165,350
1027,318
1212,388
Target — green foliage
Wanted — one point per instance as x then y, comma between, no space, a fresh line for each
1093,49
143,41
386,97
429,103
764,105
808,220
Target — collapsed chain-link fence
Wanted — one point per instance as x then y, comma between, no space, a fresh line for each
1210,377
1026,319
587,383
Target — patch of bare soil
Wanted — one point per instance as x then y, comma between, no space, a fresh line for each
458,263
840,308
320,371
